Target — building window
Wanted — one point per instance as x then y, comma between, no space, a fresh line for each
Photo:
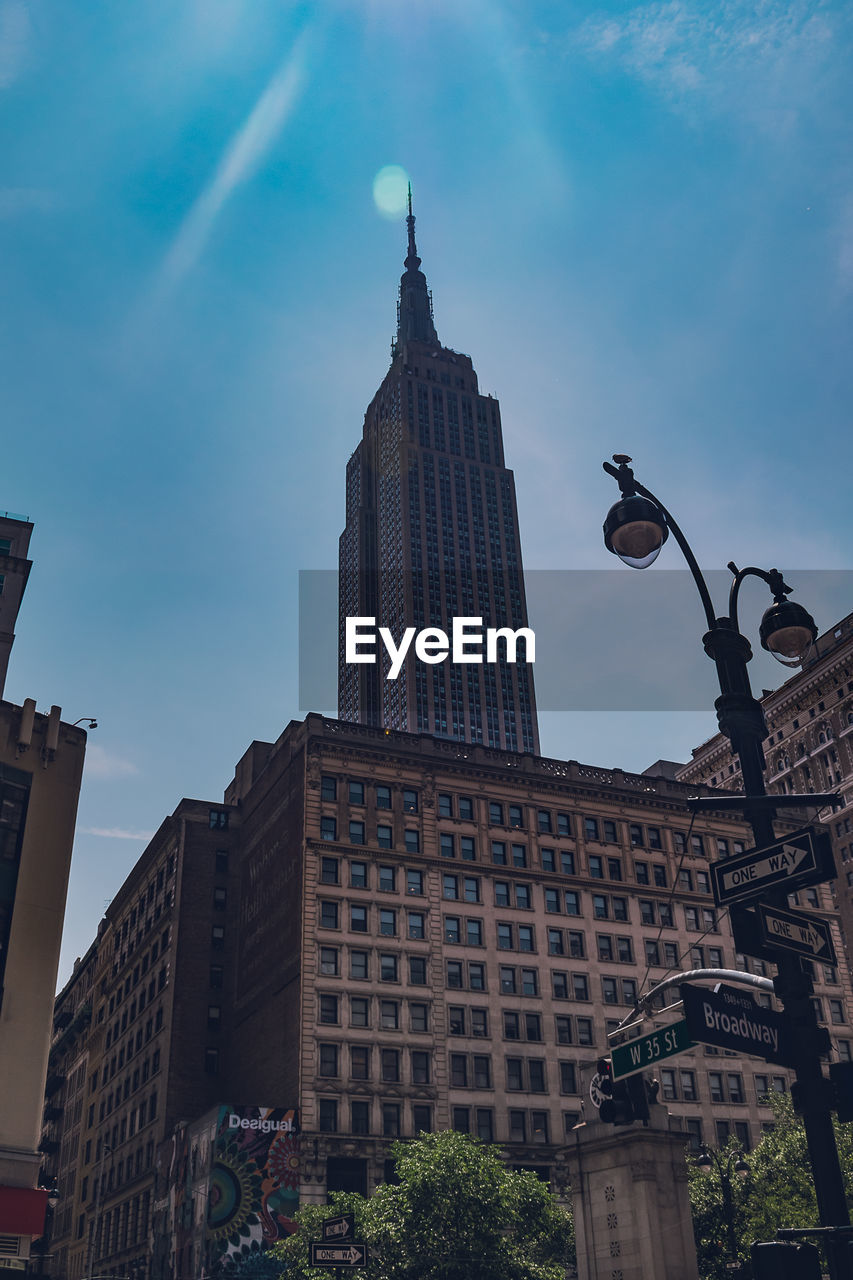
356,832
391,1119
384,837
328,1115
359,1011
329,1009
388,922
218,819
416,921
445,805
329,915
358,967
388,968
466,808
420,1067
447,845
329,871
357,919
418,971
356,792
217,936
360,1118
211,1062
328,788
412,841
328,1060
389,1015
329,963
422,1117
359,1058
410,801
383,796
328,829
358,875
220,899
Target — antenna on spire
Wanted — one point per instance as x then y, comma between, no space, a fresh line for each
412,259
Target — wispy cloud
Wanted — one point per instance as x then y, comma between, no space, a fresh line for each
116,833
101,763
241,158
759,61
14,40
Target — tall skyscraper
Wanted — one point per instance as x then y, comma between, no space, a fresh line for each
432,534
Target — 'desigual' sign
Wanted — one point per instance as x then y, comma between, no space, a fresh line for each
732,1020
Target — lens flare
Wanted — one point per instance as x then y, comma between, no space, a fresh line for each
390,188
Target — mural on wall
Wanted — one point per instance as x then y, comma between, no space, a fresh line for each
254,1182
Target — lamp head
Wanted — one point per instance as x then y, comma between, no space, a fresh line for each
635,530
742,1168
704,1162
788,631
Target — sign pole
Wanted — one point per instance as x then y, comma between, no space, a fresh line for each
741,718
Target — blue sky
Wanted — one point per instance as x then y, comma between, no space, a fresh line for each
637,219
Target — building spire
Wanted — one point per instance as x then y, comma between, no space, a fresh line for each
412,259
414,311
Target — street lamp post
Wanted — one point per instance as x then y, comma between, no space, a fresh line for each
635,529
726,1163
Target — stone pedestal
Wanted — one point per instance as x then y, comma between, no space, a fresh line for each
629,1195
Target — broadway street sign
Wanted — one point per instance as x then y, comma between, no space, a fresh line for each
732,1020
639,1054
801,859
340,1228
353,1254
792,931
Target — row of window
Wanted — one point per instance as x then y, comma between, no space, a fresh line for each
510,935
605,906
511,853
546,822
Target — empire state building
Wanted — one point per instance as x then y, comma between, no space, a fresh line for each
432,534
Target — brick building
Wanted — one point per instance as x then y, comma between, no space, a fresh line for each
138,1031
392,933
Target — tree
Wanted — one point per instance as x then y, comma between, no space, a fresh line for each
456,1213
778,1191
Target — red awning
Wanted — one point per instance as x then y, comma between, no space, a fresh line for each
22,1211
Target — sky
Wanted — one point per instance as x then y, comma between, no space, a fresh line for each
638,220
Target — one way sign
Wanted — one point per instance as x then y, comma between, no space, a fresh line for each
799,860
353,1254
806,935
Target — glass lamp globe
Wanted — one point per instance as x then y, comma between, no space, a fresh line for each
635,531
788,631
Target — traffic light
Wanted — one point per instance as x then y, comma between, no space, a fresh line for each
778,1260
616,1106
624,1101
841,1077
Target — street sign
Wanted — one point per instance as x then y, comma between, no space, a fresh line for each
732,1020
801,859
637,1055
351,1254
340,1228
792,931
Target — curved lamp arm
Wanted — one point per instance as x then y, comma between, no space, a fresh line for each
628,484
772,577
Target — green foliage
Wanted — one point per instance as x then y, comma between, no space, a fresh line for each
778,1192
457,1214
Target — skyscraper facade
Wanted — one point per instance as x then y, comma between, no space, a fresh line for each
432,534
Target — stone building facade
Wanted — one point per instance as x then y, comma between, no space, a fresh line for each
415,934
